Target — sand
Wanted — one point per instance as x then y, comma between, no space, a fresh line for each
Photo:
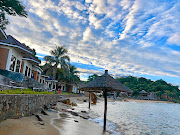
58,122
28,126
147,101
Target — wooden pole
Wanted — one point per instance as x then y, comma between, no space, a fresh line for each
89,100
105,109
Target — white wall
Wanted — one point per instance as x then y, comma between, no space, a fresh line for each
16,54
29,65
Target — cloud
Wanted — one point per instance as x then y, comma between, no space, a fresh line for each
174,39
126,37
88,35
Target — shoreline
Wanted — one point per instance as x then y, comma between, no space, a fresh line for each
58,122
148,101
60,119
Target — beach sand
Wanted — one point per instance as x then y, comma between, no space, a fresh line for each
147,101
27,126
56,123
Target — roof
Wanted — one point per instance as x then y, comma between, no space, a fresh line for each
32,58
105,82
12,41
50,79
142,92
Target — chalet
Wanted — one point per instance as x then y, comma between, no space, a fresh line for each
17,57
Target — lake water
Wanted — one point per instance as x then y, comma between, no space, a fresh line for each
138,118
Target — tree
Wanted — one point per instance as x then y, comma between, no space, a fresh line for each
58,58
92,77
73,77
10,7
33,52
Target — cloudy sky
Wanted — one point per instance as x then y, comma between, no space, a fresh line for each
127,37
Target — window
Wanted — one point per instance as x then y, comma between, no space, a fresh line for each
26,71
29,73
43,81
40,80
32,74
50,86
13,61
18,65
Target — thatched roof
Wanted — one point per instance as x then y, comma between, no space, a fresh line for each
143,92
105,82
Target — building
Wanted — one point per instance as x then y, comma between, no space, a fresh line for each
17,57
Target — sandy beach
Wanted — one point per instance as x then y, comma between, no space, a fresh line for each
58,122
28,126
146,101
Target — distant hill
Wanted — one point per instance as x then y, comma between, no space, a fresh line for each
161,87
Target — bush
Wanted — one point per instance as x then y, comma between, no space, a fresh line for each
24,91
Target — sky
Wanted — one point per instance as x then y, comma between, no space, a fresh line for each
128,37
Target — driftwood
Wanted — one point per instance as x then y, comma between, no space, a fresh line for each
39,118
43,112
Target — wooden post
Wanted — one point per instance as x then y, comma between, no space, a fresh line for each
105,109
89,100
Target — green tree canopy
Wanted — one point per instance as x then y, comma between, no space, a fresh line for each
59,58
160,86
10,7
92,77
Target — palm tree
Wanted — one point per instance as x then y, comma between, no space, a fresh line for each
58,58
73,77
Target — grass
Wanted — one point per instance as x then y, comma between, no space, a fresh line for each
24,91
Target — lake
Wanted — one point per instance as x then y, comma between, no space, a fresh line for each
138,118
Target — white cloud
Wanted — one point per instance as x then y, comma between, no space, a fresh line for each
127,37
88,35
175,38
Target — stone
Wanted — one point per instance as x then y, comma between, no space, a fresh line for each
1,106
73,104
41,123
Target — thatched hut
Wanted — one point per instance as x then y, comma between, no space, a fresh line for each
105,83
143,94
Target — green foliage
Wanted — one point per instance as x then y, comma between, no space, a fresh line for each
58,58
160,87
92,77
24,91
10,7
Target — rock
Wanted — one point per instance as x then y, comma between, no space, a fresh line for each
43,112
39,118
73,104
84,117
41,123
85,100
83,111
73,113
66,101
1,106
64,110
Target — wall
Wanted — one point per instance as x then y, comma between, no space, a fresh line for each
16,106
3,57
29,65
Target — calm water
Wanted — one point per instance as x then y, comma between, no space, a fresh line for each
136,118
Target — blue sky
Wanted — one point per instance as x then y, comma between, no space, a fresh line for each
127,37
